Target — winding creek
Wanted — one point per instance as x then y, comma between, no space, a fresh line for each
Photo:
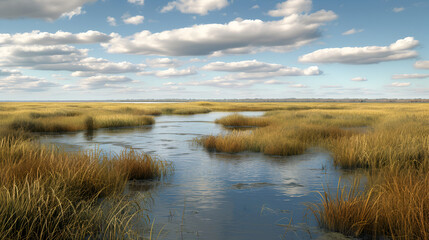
217,195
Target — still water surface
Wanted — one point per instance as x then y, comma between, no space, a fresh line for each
217,195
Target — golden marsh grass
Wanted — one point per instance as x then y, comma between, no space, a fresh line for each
389,139
396,206
237,120
46,193
67,117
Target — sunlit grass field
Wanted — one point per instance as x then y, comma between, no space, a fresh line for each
391,140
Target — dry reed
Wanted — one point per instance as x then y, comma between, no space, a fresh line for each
46,193
237,120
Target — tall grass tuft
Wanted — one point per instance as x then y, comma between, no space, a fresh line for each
231,143
42,210
116,121
382,148
349,211
190,110
46,193
396,207
25,125
140,166
237,120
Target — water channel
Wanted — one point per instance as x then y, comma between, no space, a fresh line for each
217,195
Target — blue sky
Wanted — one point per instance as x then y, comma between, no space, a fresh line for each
213,49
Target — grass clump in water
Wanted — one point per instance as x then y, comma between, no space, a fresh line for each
283,132
231,143
116,121
396,206
140,166
191,110
237,120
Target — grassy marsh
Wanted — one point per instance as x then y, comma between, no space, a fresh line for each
68,117
390,140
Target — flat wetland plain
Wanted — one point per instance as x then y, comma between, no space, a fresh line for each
48,192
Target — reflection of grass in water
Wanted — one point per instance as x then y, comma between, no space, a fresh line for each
47,193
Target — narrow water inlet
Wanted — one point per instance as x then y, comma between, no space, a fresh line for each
217,195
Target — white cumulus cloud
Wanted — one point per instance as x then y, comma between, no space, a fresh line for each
410,76
398,9
172,72
359,79
18,82
236,37
77,11
352,31
49,51
401,49
37,37
242,66
223,83
422,64
36,55
61,58
45,9
291,7
400,84
102,81
248,73
135,20
297,86
163,63
138,2
201,7
253,69
9,72
111,21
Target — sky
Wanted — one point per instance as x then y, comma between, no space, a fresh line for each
213,49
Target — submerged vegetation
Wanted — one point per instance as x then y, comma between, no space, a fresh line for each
47,193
